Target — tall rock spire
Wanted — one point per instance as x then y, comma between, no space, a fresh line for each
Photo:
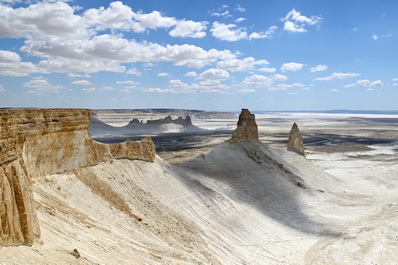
246,128
296,142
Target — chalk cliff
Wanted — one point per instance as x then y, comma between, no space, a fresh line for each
37,142
296,142
247,129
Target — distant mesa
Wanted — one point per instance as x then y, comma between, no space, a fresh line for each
247,129
168,120
296,142
140,127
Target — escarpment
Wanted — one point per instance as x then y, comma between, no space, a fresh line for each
37,142
247,129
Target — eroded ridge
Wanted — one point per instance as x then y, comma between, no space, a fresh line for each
37,142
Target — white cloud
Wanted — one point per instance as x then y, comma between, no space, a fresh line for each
191,74
287,86
128,82
337,76
108,88
366,83
240,19
293,67
267,70
279,77
155,20
42,86
335,90
133,71
375,37
231,32
116,16
262,81
89,90
210,86
237,65
221,12
2,89
263,35
189,28
179,85
163,74
246,90
214,74
240,9
318,68
227,32
106,52
74,75
11,65
295,22
82,83
43,20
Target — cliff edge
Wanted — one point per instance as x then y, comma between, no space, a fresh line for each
37,142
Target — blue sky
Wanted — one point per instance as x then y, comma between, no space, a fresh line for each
211,55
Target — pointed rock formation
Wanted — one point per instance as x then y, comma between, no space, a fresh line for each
296,142
246,128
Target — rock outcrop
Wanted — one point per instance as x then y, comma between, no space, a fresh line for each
180,121
37,142
247,129
296,142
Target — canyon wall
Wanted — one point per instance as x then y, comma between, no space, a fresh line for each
37,142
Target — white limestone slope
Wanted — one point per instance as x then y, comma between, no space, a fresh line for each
243,203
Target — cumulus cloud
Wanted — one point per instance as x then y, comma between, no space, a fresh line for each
74,75
108,88
82,83
263,35
189,28
262,81
163,74
366,83
287,86
191,74
11,65
293,67
240,19
41,86
227,32
318,68
214,74
89,90
237,65
337,76
105,52
295,22
267,70
231,32
127,82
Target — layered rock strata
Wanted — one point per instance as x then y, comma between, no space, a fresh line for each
37,142
296,142
247,129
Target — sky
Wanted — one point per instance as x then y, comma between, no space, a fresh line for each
210,55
